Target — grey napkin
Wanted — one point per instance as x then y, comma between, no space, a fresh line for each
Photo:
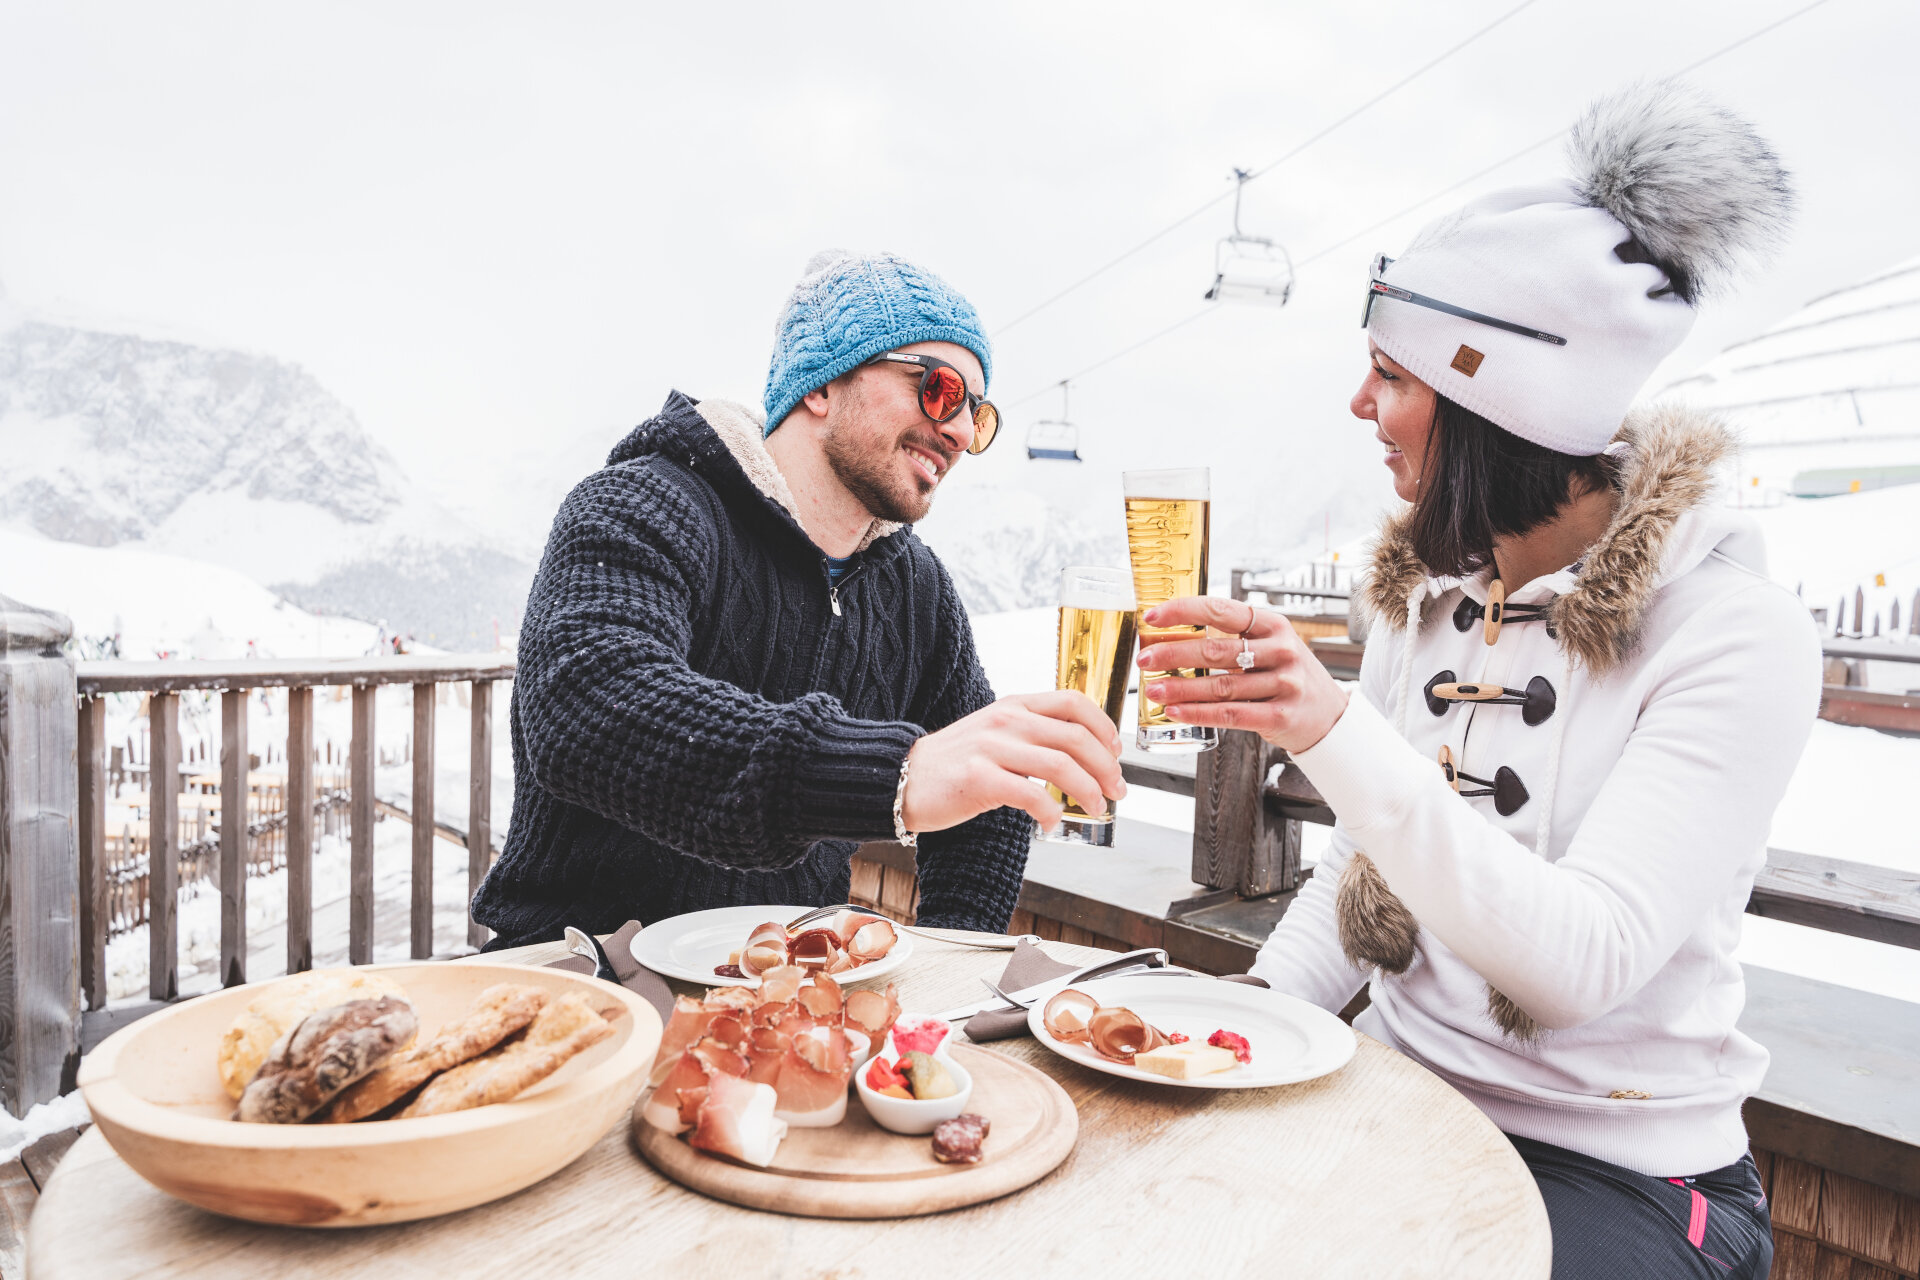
1029,967
645,983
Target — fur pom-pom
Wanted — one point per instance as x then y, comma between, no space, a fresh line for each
1701,191
1376,929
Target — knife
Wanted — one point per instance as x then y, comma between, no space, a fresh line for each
1147,957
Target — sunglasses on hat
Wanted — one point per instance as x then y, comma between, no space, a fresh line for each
1378,289
943,392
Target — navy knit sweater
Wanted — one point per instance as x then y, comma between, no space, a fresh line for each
699,720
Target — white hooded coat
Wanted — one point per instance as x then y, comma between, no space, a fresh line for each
1605,909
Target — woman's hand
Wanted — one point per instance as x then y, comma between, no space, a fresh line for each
1286,696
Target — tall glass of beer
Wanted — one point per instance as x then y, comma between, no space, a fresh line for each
1167,513
1095,657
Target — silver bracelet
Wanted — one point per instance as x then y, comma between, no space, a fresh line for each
900,831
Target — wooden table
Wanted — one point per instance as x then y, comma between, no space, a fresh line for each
1379,1170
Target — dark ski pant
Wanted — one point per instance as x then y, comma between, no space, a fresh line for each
1610,1223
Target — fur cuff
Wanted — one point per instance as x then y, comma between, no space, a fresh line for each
1510,1017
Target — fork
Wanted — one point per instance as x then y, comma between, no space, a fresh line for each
587,947
1025,1001
1009,943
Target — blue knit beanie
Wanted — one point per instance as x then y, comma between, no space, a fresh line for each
849,308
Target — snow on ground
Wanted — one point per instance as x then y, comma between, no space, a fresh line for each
68,1111
1847,800
1830,546
159,603
199,916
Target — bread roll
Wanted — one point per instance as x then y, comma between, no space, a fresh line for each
280,1005
323,1054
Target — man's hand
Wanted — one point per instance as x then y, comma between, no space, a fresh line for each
1285,695
988,759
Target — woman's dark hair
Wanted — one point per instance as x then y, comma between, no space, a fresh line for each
1480,482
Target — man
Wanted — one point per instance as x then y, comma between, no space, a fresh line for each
738,662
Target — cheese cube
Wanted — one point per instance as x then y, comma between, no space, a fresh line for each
1185,1061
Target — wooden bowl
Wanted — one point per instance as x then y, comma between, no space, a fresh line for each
155,1093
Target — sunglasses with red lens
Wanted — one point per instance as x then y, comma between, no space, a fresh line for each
943,393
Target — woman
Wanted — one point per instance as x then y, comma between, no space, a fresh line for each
1580,704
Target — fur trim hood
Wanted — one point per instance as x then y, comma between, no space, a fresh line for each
742,430
722,431
1662,527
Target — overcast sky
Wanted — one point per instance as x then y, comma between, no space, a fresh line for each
501,233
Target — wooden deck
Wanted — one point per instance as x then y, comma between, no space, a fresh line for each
20,1183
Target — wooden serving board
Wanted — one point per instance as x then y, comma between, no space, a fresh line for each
856,1169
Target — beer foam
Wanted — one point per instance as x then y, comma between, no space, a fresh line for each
1104,589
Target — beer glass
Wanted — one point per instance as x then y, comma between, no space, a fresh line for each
1095,657
1167,513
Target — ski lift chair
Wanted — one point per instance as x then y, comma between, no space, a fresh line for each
1250,268
1054,439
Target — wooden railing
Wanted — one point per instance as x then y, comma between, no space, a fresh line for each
163,683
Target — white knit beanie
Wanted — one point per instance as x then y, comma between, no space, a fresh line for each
1671,196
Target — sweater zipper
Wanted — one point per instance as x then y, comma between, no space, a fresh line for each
826,635
833,588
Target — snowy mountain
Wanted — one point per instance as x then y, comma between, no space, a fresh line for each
241,460
158,603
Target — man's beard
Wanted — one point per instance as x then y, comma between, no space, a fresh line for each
871,474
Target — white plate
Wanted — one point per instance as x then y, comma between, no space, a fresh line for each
689,947
1291,1040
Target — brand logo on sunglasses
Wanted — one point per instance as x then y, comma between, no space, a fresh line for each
1467,360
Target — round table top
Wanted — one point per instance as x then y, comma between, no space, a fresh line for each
1377,1170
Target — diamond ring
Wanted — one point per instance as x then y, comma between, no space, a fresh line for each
1245,656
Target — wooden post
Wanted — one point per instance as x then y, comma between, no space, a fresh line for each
163,846
299,830
93,851
422,918
39,866
1238,843
361,813
479,805
233,837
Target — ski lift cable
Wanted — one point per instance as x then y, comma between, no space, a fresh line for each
1368,230
1555,136
1262,171
1471,178
1102,363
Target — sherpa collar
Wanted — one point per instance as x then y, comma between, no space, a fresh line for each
1668,472
739,428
